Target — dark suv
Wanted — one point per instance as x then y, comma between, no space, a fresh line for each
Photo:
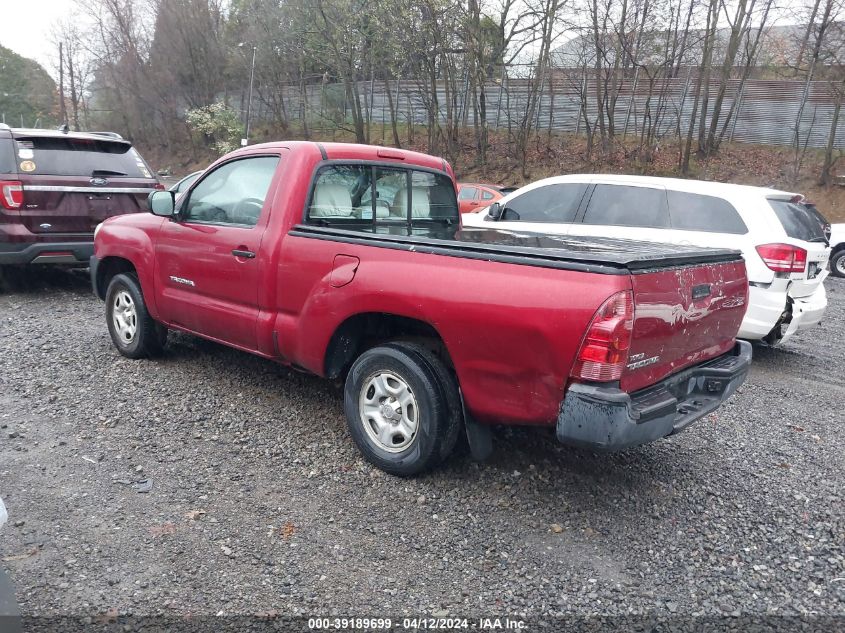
57,186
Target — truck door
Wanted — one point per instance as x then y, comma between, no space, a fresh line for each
208,258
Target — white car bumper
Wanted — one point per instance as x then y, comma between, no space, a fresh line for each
807,312
766,306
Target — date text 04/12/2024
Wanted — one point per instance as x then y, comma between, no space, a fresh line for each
421,623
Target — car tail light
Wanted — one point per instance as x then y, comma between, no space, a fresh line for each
159,186
783,258
604,350
11,194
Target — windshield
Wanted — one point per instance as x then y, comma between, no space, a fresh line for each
798,221
79,157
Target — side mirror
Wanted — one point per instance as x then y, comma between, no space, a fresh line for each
162,203
494,211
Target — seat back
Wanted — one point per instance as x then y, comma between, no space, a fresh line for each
331,201
420,205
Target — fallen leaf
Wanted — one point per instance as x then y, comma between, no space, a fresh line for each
557,529
194,515
159,530
287,530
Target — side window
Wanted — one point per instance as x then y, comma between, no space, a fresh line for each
622,205
486,195
468,193
549,203
233,193
7,156
697,212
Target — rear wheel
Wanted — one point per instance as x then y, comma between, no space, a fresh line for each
133,331
402,408
837,263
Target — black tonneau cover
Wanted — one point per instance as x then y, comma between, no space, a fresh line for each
594,254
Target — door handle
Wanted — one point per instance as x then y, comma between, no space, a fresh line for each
242,253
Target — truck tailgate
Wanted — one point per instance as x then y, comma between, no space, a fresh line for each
683,316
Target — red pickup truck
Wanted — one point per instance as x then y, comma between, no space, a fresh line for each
350,261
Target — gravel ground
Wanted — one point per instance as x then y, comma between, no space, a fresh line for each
261,504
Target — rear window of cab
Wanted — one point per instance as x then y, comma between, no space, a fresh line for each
56,156
374,194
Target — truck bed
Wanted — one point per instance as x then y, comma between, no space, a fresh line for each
591,254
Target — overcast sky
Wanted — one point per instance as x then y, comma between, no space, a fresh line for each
26,27
27,24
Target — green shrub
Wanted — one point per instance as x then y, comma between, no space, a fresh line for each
219,125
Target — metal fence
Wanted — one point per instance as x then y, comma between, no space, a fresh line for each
766,112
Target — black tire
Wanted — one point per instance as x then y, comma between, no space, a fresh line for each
149,336
438,411
837,263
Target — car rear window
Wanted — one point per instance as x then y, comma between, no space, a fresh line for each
697,212
7,156
79,157
622,205
798,222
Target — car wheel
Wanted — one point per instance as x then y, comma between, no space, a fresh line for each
837,263
133,331
402,408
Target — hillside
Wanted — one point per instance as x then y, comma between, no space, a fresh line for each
564,153
27,93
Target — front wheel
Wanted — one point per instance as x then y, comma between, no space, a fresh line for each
133,331
837,263
402,408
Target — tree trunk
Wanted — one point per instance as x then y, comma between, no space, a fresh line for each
826,176
62,106
392,107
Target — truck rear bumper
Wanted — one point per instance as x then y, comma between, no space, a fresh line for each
76,253
608,419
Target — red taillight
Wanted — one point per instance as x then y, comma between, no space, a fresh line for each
604,351
159,186
783,258
11,194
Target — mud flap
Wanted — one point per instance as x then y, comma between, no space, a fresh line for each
479,437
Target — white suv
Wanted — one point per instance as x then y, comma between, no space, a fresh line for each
782,238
